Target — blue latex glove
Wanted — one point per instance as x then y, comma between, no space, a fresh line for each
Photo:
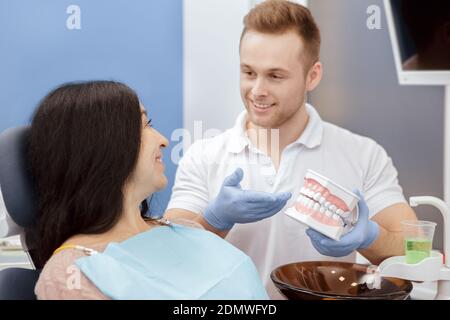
361,236
234,205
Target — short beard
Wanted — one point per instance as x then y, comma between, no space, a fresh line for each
278,121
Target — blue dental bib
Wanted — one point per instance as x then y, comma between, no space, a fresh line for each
174,262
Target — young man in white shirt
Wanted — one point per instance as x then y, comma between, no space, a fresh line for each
279,56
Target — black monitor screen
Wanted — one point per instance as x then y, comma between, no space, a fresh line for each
423,32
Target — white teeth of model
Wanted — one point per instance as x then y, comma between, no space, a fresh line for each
302,190
322,210
310,203
345,214
328,213
316,206
327,205
336,217
304,200
317,196
332,208
321,200
310,193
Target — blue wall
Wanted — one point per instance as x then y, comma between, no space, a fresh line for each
138,42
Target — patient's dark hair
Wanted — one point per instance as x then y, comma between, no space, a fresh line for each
84,144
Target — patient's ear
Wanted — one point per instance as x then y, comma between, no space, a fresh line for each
314,76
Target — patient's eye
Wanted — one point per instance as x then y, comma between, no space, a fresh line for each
149,123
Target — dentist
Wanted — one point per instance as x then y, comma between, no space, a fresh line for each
275,140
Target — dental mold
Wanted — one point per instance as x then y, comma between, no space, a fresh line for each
325,206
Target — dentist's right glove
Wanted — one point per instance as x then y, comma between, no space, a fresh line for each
364,233
234,205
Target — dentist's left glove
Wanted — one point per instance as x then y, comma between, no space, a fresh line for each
234,205
363,234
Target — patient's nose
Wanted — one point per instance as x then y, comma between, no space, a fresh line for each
164,142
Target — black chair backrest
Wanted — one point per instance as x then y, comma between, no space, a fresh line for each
20,201
18,284
19,193
16,182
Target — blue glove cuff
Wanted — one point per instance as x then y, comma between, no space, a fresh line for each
211,218
373,232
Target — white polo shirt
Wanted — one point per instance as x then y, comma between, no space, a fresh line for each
351,160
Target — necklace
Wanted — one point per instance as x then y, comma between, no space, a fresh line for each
159,220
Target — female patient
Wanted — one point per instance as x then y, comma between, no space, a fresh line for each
95,157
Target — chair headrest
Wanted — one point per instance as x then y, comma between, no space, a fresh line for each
16,182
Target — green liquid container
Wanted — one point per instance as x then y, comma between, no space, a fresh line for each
416,250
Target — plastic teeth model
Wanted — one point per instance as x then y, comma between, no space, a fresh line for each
325,206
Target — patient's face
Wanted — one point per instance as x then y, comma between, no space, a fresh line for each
149,176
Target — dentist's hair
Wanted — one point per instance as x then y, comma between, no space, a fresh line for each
84,144
280,16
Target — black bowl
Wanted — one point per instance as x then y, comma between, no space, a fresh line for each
319,280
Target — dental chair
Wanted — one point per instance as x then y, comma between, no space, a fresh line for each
18,211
